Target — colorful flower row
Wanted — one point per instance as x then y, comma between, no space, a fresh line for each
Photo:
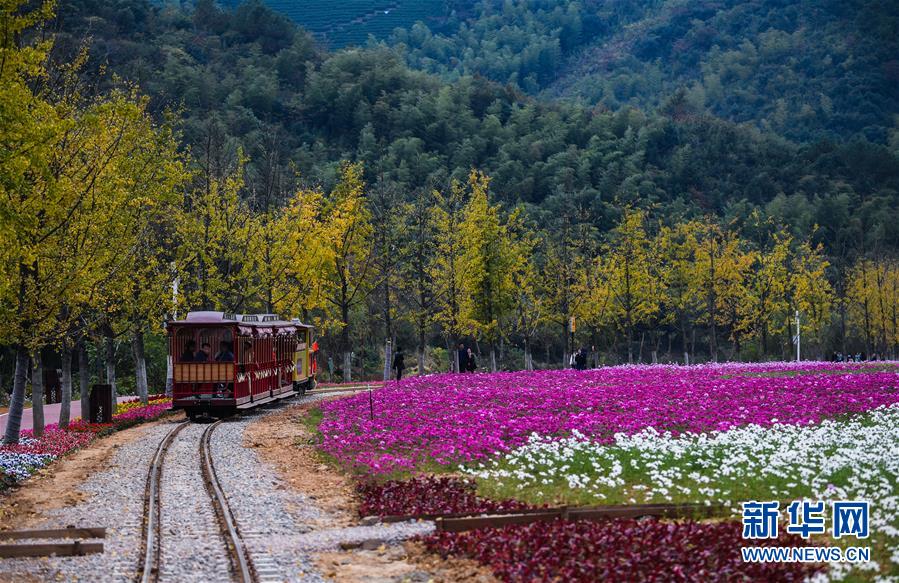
450,419
135,403
618,551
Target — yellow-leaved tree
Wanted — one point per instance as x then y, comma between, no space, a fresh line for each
811,292
568,251
490,255
350,255
447,269
873,292
218,235
766,310
626,268
70,178
296,241
719,279
677,247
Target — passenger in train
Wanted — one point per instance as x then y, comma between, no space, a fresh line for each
202,355
188,354
224,353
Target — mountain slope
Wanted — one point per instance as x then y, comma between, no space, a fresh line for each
807,70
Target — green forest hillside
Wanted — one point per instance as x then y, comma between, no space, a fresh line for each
806,70
350,22
249,80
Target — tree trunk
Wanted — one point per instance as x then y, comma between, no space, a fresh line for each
345,339
492,359
712,304
65,382
84,377
17,403
388,355
630,344
37,393
347,366
140,367
109,345
421,351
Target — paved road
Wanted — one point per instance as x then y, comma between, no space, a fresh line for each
51,414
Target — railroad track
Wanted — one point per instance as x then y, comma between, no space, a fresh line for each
151,540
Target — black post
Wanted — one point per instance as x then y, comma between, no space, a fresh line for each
102,404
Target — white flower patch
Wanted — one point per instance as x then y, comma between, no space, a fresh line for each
856,459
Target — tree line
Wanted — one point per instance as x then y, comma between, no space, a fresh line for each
118,213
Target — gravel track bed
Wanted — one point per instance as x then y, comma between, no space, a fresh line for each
277,524
190,537
280,532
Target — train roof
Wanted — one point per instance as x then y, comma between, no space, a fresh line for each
251,320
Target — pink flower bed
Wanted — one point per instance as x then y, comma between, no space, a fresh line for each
151,411
19,461
54,441
618,551
454,418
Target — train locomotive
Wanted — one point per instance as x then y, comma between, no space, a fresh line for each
223,363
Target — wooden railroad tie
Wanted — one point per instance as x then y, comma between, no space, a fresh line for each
460,522
76,548
349,389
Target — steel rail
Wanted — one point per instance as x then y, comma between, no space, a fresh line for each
240,556
148,570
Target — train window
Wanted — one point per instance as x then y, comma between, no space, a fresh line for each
185,345
214,344
245,350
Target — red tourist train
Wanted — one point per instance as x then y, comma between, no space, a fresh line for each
222,363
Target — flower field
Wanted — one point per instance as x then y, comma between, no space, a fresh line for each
718,434
19,461
451,419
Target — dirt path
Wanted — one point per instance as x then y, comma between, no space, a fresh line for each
285,443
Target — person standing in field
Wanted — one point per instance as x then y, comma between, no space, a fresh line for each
463,358
399,363
472,361
580,359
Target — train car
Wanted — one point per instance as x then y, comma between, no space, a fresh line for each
222,363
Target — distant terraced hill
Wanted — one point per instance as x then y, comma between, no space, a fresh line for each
349,22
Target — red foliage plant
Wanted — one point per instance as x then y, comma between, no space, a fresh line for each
618,551
427,495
